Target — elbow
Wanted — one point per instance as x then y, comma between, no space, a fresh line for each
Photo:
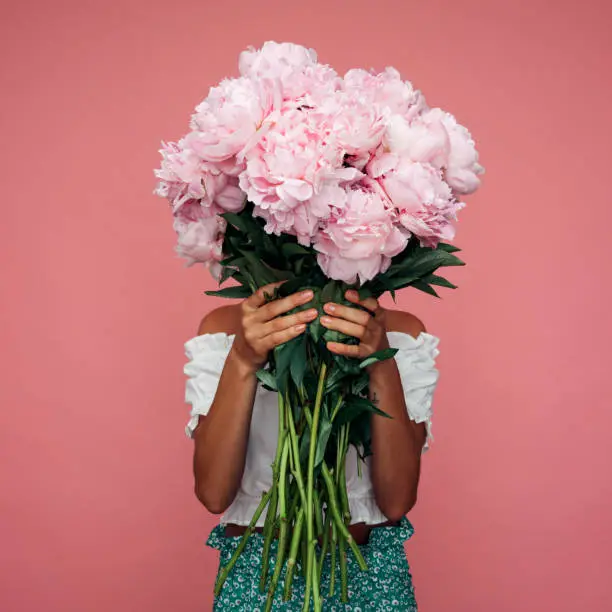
214,503
397,509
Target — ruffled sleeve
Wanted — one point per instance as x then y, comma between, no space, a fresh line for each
206,356
415,360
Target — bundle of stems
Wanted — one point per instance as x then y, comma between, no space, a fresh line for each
307,506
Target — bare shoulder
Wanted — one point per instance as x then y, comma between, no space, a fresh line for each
224,319
405,322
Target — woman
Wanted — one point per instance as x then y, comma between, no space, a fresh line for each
234,425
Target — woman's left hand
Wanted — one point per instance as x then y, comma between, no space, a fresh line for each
368,327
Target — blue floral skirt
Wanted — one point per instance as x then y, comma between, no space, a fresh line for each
387,585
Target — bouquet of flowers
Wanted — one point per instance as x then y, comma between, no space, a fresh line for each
293,173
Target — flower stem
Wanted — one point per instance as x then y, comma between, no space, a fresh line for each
293,550
282,502
342,528
343,575
317,511
268,531
332,580
344,502
295,454
324,547
310,569
228,568
336,408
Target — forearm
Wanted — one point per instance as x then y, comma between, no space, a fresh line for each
221,437
396,443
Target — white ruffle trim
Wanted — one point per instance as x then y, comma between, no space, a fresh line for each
416,364
242,510
363,510
206,354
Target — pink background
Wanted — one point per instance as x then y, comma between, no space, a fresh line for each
97,509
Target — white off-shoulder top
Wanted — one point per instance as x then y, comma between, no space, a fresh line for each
206,356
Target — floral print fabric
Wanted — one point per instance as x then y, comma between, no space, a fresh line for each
386,586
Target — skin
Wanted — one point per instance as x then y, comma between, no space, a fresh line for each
221,437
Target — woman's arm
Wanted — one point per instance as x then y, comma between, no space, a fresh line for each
221,436
396,442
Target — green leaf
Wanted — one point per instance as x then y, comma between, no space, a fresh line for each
365,292
238,221
299,360
349,365
332,335
283,355
449,248
334,379
360,384
304,445
354,406
290,249
325,428
315,329
237,291
430,260
402,281
434,279
333,292
267,379
378,356
423,286
226,274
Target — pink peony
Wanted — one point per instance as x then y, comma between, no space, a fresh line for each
387,91
435,137
183,177
356,128
424,140
230,116
294,69
284,169
462,170
359,240
179,175
200,241
424,202
275,60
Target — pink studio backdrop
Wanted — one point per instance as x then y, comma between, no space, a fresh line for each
97,510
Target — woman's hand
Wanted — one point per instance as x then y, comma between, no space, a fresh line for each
262,327
367,327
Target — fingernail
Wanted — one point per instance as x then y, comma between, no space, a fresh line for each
306,294
300,328
325,320
330,307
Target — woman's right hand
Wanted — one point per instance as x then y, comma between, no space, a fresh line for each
262,327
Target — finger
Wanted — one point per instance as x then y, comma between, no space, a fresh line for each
346,327
370,303
259,297
280,337
281,323
278,307
346,312
348,350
